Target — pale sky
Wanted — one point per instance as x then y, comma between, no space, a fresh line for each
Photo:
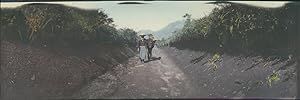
152,16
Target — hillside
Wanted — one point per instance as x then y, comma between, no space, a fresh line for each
243,76
168,30
52,51
59,25
31,73
237,28
236,51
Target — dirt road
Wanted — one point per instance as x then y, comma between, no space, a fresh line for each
164,78
158,78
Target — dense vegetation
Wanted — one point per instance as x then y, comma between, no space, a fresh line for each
237,27
53,24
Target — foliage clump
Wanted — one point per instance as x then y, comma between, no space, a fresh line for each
58,24
238,28
274,77
214,60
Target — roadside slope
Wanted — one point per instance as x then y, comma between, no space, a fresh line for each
31,73
237,76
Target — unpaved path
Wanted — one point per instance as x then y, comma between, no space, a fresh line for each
159,78
165,78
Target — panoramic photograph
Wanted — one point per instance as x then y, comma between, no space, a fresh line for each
149,50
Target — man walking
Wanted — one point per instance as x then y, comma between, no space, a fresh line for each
150,45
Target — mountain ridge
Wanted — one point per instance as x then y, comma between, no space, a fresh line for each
168,30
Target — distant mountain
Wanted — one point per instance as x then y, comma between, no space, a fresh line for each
168,30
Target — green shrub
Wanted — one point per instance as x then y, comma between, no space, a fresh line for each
241,28
55,24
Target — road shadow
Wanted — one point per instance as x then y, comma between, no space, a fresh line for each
153,59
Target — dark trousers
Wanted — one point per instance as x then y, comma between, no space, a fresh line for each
149,53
